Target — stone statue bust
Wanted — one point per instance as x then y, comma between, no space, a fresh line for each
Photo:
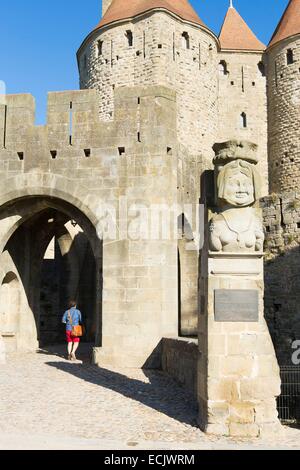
237,226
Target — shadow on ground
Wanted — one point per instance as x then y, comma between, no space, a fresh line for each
162,393
60,350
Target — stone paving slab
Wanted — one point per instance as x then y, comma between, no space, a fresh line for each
48,403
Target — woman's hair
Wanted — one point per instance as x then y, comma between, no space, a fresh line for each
72,303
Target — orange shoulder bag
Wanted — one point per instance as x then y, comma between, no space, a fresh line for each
76,329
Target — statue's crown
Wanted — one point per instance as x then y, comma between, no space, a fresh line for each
235,150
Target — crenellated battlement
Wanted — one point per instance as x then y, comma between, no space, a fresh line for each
74,130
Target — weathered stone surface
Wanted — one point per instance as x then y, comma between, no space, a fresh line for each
283,115
223,389
2,351
236,366
258,389
244,430
282,281
242,88
243,413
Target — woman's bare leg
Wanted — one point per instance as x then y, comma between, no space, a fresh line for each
75,347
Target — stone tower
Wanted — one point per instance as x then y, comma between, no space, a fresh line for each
156,43
242,87
283,55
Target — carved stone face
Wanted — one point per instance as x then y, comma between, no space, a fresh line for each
239,189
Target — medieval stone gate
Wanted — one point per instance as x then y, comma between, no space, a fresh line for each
67,185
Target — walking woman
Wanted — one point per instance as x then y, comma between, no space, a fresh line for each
72,317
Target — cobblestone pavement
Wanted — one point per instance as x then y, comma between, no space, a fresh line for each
47,402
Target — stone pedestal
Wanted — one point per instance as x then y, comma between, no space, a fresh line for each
238,372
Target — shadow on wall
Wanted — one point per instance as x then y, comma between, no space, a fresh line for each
282,302
155,394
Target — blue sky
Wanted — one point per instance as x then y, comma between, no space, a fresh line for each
39,40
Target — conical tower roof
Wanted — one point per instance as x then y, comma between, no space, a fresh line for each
289,24
125,9
236,34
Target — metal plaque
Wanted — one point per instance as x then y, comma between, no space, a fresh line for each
236,305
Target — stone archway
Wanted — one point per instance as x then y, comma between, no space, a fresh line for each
33,222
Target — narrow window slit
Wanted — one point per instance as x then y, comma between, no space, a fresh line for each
243,121
174,47
100,48
276,74
21,155
223,68
261,68
87,152
289,57
4,127
71,123
243,80
122,150
129,36
199,56
186,40
53,154
84,62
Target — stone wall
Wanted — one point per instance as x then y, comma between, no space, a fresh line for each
242,89
283,115
179,360
2,351
282,269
